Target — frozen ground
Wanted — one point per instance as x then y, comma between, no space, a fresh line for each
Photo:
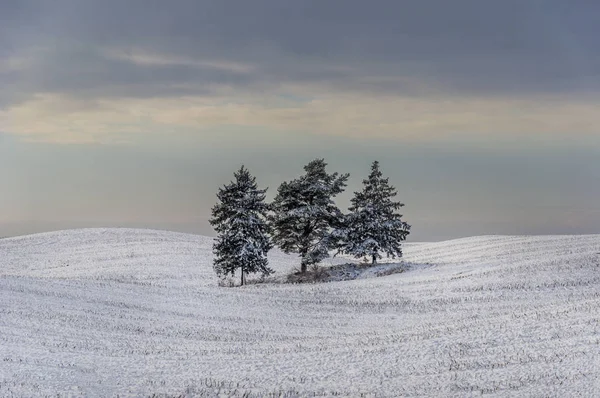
108,312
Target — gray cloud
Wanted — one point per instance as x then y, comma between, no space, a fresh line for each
465,47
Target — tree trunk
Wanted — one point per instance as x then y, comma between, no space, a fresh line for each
242,277
303,265
305,245
374,259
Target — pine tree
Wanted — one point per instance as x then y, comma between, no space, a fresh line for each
304,213
239,218
373,225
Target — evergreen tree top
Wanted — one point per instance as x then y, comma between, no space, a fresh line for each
376,191
240,197
317,180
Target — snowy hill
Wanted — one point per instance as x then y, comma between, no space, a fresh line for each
102,312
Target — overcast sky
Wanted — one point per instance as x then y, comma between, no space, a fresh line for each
485,115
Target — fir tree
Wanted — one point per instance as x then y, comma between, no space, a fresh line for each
239,218
304,213
373,225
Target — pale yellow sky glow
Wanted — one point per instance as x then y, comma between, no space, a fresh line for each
60,119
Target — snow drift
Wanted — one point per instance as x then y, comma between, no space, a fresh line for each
102,312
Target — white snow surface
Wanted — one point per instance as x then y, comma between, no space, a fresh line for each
123,312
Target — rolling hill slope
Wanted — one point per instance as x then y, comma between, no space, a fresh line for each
101,312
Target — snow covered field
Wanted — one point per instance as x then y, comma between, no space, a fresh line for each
106,312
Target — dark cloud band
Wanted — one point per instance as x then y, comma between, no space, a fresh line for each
463,47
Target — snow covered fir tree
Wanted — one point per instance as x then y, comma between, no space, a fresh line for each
239,218
304,219
304,213
373,226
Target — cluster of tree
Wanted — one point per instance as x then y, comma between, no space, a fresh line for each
304,219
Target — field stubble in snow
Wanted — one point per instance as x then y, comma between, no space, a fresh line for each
106,312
